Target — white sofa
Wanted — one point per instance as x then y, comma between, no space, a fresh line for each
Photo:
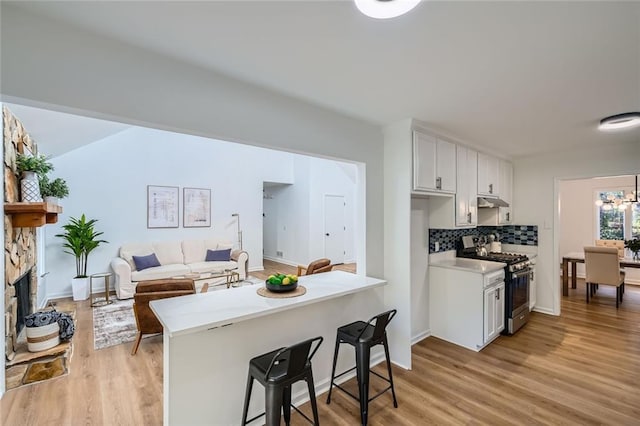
176,258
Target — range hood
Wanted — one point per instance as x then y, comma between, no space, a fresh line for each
489,203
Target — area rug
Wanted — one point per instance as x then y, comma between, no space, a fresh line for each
114,324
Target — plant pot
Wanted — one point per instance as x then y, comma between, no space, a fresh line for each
52,200
30,188
43,337
80,288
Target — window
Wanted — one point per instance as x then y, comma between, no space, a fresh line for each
615,224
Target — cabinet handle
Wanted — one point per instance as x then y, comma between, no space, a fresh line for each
438,183
508,214
490,188
468,217
498,294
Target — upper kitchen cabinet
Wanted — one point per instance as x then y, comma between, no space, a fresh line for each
467,185
434,164
488,173
506,192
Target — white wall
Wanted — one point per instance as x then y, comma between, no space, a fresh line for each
108,181
536,184
2,299
420,327
578,215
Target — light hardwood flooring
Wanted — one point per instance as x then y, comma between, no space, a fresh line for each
580,368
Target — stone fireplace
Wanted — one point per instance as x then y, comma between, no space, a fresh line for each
19,243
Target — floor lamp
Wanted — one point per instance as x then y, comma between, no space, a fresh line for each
239,231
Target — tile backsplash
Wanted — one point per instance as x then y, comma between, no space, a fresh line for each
526,235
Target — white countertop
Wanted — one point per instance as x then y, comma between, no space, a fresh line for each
470,265
203,311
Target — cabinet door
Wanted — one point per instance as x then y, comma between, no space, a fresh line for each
446,166
489,314
466,184
500,296
424,162
505,183
532,288
487,175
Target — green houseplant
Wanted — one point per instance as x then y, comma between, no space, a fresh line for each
31,166
634,246
53,190
80,239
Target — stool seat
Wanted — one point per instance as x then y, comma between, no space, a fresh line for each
277,371
363,336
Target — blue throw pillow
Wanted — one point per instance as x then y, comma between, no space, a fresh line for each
144,262
218,255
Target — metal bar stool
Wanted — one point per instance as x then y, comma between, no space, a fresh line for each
363,336
277,371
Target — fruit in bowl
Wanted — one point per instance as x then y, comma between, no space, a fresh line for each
282,282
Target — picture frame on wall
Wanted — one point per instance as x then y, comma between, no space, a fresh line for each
163,206
196,203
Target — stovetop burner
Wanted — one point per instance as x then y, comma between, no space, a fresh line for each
508,258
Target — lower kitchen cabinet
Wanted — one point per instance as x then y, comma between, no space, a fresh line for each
466,306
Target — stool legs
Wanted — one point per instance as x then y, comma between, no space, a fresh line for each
362,369
386,353
286,404
333,370
272,403
247,398
312,398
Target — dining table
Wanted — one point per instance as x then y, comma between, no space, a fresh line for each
576,257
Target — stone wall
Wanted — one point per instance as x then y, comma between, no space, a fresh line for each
20,249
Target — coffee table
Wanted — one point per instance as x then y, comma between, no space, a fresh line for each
205,279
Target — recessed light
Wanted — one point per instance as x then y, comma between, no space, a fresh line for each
385,9
620,121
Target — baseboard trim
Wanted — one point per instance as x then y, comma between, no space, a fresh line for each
420,336
545,311
281,260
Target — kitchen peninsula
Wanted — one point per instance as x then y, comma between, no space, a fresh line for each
209,339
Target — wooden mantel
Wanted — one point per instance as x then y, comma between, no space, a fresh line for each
27,215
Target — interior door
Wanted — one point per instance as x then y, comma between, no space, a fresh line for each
334,228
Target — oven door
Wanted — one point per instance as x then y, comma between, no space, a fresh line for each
520,289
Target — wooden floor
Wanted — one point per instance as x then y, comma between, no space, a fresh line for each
581,368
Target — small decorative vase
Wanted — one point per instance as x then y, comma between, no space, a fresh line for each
30,188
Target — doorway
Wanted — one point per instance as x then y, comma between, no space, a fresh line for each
334,228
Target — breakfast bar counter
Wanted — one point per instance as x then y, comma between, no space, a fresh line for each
209,339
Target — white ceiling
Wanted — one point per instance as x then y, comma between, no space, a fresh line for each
517,77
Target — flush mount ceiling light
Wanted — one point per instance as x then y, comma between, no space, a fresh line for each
620,121
385,9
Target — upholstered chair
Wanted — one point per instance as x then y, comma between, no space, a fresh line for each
602,266
146,291
619,244
315,267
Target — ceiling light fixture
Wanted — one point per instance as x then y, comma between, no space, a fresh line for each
613,202
385,9
620,121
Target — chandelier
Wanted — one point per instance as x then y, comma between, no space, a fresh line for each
617,202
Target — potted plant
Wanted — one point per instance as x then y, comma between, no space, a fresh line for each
80,239
54,190
634,246
31,166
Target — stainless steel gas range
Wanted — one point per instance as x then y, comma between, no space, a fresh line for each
517,275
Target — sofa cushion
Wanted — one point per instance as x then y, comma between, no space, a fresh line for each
201,267
168,252
145,262
218,255
193,251
127,252
159,272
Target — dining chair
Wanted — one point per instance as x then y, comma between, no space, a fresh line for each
602,266
315,267
619,244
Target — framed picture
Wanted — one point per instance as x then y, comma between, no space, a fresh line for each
162,206
197,207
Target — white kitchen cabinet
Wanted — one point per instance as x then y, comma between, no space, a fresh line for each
488,173
505,184
434,164
493,312
466,306
466,187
